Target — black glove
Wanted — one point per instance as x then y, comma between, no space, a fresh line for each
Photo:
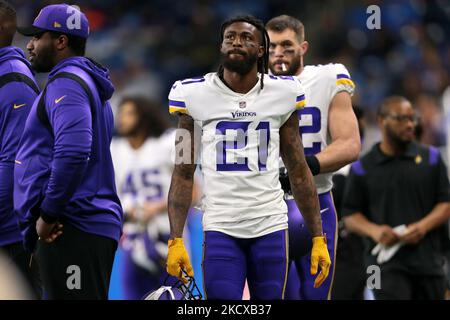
313,164
284,180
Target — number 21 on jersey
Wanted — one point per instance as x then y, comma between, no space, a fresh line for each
240,128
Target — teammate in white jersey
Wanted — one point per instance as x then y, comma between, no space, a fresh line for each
143,159
245,216
330,136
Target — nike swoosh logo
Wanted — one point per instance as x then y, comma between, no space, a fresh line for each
322,211
18,162
17,106
59,99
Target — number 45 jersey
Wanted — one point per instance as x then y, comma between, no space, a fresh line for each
239,150
321,83
143,175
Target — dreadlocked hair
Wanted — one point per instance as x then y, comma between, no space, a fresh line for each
263,62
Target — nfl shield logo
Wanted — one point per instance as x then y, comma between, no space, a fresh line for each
242,104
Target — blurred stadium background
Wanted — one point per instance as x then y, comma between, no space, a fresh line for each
148,44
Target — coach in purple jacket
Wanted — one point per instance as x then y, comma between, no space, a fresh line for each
65,194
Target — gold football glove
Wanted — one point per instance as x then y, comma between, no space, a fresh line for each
320,257
178,259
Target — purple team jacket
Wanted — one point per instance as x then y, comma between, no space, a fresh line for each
16,99
68,174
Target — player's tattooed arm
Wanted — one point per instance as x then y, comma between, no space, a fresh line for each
181,186
301,179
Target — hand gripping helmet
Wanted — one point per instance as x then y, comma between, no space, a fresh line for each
177,291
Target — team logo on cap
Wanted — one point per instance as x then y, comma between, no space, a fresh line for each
418,159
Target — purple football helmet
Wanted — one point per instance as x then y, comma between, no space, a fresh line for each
177,291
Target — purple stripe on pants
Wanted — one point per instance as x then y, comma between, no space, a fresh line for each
228,261
300,283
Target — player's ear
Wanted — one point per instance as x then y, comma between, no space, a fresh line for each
61,42
304,47
260,51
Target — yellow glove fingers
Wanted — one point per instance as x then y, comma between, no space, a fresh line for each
320,257
325,270
173,267
314,264
174,270
189,269
178,259
319,280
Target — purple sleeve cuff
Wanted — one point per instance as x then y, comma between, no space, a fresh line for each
48,211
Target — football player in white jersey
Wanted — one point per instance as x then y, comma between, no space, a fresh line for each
241,137
143,159
330,137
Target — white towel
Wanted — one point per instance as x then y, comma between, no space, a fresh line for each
385,253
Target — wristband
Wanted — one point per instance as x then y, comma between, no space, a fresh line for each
313,164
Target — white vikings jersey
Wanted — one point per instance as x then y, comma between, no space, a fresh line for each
239,150
144,174
321,83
